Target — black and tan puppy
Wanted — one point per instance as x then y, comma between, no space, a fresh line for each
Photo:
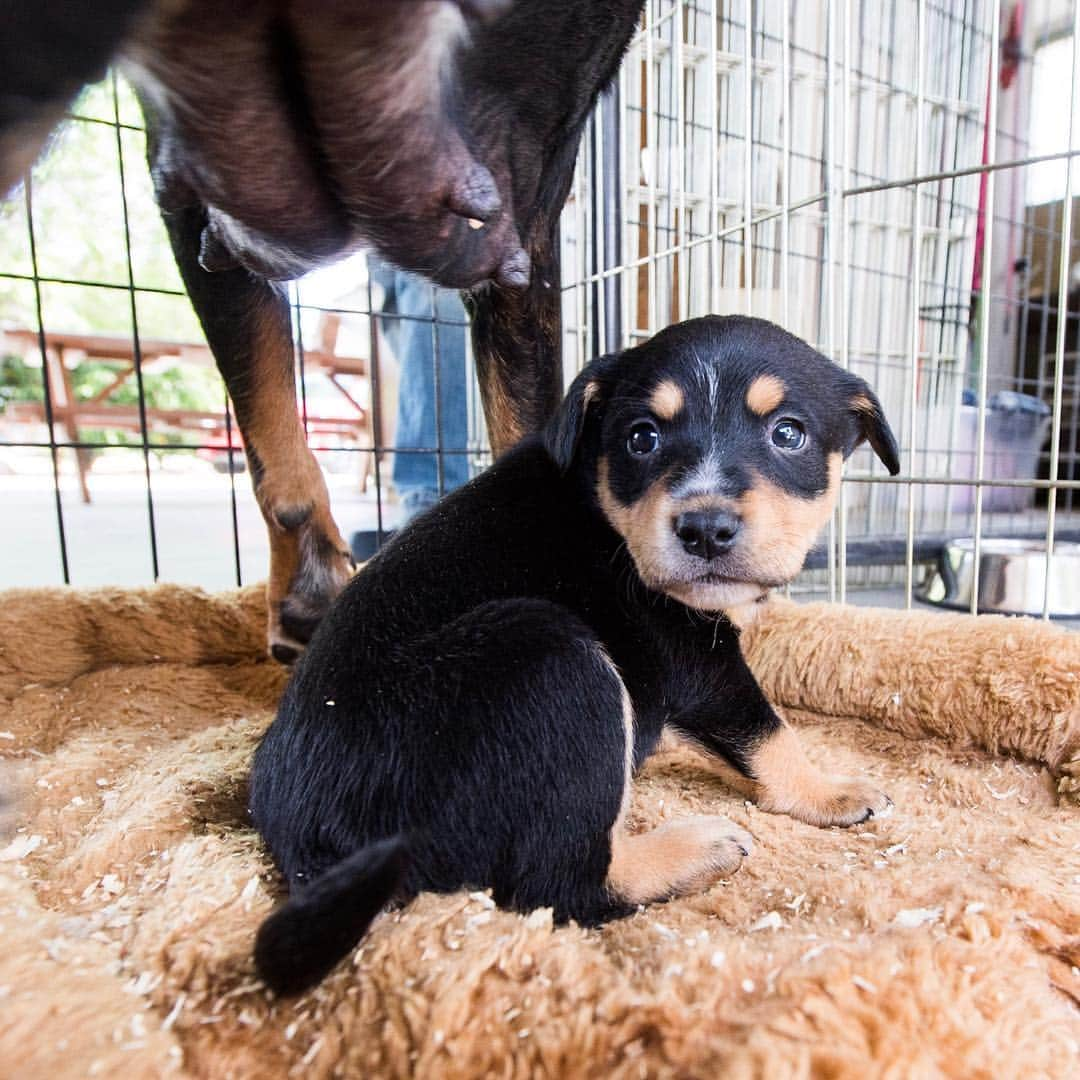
472,709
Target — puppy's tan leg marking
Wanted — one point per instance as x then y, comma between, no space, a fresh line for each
785,782
678,858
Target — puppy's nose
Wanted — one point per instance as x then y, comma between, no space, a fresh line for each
707,533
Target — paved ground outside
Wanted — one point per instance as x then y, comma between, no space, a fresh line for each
108,540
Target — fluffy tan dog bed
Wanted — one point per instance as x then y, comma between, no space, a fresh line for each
944,940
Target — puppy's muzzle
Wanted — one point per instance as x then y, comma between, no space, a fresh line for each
707,533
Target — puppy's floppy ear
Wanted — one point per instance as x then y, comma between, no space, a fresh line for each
563,432
868,424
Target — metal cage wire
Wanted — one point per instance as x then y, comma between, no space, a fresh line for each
826,166
61,300
848,171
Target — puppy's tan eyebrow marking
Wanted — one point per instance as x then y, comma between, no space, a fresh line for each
764,394
667,400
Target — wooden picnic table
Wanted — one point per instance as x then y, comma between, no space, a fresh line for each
64,350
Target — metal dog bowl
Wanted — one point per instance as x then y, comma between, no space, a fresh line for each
1012,577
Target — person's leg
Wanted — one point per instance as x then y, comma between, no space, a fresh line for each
384,276
432,407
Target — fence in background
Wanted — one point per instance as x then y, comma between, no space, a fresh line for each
828,167
825,166
118,455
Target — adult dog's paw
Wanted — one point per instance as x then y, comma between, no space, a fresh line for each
315,564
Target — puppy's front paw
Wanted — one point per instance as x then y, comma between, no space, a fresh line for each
786,783
841,800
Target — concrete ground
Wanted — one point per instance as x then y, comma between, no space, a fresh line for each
108,540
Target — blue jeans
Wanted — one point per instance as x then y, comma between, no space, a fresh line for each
416,324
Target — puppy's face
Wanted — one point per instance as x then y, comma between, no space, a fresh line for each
715,451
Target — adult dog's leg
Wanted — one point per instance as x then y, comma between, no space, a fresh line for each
246,321
530,140
516,344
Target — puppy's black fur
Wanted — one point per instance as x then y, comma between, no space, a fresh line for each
468,713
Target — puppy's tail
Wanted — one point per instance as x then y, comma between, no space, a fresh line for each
305,937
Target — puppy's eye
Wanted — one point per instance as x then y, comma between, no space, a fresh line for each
643,438
788,434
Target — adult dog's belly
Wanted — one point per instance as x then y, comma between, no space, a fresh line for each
311,129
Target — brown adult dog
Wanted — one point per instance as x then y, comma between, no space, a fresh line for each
285,134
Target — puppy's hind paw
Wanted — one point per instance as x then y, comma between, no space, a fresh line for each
682,857
707,848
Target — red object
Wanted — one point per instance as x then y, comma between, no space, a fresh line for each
1012,47
1011,55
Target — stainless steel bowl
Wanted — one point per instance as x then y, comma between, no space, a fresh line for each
1012,577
